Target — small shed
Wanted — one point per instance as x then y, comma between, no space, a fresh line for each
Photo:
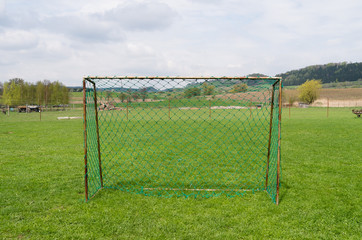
303,105
28,108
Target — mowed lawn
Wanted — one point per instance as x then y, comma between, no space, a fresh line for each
225,151
42,187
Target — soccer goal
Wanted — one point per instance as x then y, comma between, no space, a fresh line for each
182,136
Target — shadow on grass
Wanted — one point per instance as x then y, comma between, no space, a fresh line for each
285,189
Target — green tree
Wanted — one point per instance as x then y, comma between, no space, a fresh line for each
19,92
25,93
192,92
1,88
31,93
12,93
16,93
1,92
17,81
155,96
308,91
40,92
5,93
208,89
47,92
240,87
129,94
56,93
65,95
135,96
108,95
143,93
122,96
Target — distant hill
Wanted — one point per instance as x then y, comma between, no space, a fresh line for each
328,73
222,83
119,89
122,89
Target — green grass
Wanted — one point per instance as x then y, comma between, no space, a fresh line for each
42,192
186,102
188,149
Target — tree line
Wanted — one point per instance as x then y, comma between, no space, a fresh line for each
16,92
328,73
208,89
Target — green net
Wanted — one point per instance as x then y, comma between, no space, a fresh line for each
189,137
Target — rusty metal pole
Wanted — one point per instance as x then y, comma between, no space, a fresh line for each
85,141
327,107
279,140
289,110
169,109
210,108
250,108
127,107
97,127
270,135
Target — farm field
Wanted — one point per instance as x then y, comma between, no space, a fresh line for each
341,93
340,97
332,93
42,187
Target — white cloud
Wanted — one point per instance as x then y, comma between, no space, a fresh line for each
136,50
17,40
64,40
2,7
144,16
85,28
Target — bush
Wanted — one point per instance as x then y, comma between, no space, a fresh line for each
208,89
240,87
122,96
192,92
308,91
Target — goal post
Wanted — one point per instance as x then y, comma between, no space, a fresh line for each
182,136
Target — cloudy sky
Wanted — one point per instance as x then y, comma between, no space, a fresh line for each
67,39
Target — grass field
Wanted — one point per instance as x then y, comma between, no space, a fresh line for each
221,149
42,189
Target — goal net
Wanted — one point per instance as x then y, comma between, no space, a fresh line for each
182,136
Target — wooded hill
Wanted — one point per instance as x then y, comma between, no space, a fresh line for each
332,75
328,73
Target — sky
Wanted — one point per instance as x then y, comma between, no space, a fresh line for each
64,40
